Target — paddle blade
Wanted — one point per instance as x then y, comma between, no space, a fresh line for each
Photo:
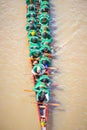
28,90
54,104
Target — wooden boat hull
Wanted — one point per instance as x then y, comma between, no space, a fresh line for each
43,114
42,109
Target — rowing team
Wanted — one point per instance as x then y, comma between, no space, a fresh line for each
40,39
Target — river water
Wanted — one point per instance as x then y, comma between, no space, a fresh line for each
69,22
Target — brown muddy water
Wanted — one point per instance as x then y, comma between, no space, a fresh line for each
69,22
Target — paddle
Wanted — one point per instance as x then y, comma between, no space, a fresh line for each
28,90
33,91
51,104
52,68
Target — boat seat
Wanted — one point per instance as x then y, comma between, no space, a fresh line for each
42,106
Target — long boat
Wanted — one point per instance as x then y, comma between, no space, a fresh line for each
41,106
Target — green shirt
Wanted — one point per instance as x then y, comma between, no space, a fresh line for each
30,14
30,26
34,46
47,91
48,35
49,40
35,53
43,7
45,46
44,77
30,1
31,19
34,70
44,15
42,22
45,42
31,39
37,86
44,3
29,7
48,62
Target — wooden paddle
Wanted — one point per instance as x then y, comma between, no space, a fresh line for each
51,104
28,90
52,68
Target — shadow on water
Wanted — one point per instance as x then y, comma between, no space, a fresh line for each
53,28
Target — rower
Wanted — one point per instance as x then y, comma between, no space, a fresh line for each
39,85
38,70
35,55
46,51
34,46
46,37
32,19
45,79
30,14
45,61
31,26
31,7
44,28
44,21
44,15
30,2
34,39
31,33
43,95
44,8
42,3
